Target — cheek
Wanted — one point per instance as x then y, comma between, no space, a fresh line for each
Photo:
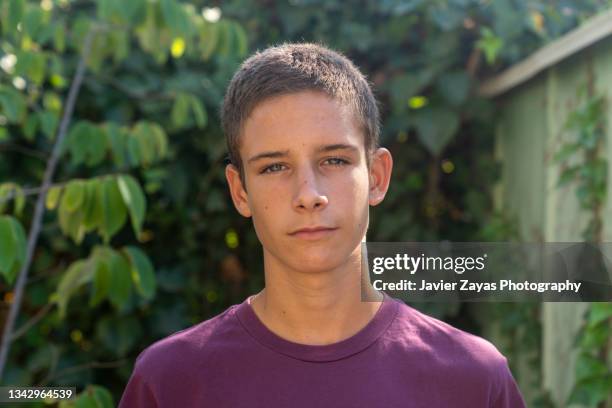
265,196
357,187
352,195
264,208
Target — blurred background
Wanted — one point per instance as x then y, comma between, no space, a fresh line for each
495,112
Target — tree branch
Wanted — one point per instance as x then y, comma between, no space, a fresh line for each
86,366
24,150
35,319
30,191
37,190
7,335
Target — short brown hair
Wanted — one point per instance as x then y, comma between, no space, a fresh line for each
291,68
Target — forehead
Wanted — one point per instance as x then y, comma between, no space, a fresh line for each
306,118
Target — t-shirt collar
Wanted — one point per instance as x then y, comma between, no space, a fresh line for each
329,352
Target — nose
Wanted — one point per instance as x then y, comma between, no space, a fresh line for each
309,195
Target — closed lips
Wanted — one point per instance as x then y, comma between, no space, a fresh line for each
312,229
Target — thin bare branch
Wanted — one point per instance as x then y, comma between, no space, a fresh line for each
82,367
30,191
30,323
37,154
39,209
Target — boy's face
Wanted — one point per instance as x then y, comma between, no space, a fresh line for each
309,188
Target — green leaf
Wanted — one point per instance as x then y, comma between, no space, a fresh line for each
17,195
78,274
116,139
455,87
12,14
566,151
96,146
133,147
92,214
101,396
592,391
134,199
70,222
108,10
199,112
86,143
8,246
120,44
242,42
595,337
589,366
52,102
143,133
118,334
176,18
148,31
226,38
45,36
599,313
143,273
120,282
73,196
161,140
209,37
568,175
114,211
20,239
59,37
436,127
403,87
6,189
76,142
13,104
134,11
98,50
19,200
180,110
83,400
48,123
52,198
94,396
32,65
101,280
12,247
41,358
490,44
30,127
445,17
33,21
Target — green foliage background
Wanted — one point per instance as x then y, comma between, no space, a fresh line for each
140,238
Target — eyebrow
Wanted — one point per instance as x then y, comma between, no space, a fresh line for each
283,153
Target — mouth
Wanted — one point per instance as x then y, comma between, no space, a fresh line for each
313,233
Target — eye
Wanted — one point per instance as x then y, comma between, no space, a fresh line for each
276,167
336,161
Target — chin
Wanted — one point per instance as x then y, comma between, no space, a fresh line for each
320,262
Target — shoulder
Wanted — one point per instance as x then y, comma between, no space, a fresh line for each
447,348
438,353
188,349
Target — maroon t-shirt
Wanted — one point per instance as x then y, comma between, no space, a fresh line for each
401,358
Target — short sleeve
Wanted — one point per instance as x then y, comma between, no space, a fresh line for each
508,395
138,393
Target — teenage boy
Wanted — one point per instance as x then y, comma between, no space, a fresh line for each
302,128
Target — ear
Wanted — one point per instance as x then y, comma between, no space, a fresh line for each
237,191
381,165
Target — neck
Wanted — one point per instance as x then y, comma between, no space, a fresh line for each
316,308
